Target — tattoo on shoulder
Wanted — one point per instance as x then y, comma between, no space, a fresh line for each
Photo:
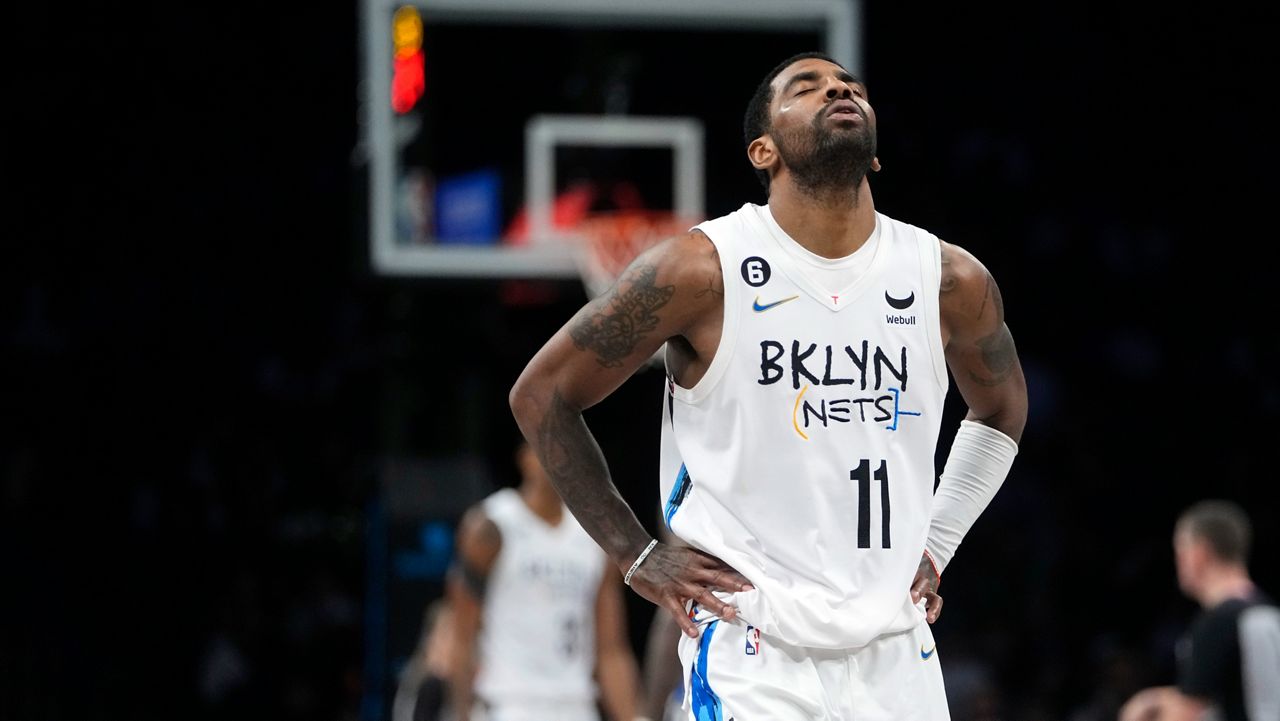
998,357
715,279
614,330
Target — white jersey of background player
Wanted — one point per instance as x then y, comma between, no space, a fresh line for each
807,344
536,614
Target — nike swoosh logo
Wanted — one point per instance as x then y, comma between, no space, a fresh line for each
900,303
762,308
926,655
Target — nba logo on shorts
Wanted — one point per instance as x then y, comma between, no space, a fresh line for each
753,641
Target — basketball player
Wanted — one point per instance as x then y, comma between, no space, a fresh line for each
535,612
807,346
1230,660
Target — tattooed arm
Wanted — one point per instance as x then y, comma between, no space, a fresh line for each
979,347
981,356
664,294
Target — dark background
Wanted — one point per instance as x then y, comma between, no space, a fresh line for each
202,375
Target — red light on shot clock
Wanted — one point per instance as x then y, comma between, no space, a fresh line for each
407,79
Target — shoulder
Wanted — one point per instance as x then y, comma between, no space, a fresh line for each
683,270
1229,609
961,271
479,538
1259,623
686,258
1218,624
967,293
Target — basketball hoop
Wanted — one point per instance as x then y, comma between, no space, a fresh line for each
606,243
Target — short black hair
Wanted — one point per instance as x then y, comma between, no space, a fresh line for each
1221,524
756,122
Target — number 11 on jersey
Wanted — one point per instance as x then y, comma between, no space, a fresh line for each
863,475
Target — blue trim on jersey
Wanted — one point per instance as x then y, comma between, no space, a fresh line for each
674,500
704,702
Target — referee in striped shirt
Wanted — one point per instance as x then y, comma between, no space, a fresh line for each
1229,661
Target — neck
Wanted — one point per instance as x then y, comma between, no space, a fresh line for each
543,502
1223,584
830,222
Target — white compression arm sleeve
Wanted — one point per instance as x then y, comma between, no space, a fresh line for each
979,461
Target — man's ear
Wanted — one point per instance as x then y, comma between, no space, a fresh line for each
762,153
875,164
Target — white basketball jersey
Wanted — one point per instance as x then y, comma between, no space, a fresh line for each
804,457
537,635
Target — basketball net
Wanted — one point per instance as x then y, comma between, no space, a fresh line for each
606,243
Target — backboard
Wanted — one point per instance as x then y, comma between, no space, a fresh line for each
525,114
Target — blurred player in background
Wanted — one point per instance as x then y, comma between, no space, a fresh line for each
1229,662
537,618
807,348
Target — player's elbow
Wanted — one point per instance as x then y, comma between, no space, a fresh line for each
1016,408
1005,411
521,400
528,399
1011,417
